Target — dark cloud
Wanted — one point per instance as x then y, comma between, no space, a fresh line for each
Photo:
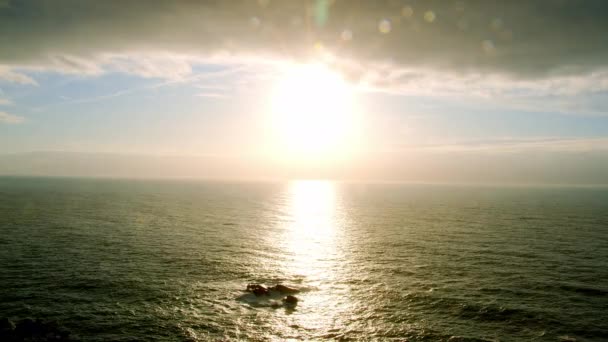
527,39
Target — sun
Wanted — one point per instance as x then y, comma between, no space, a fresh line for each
313,113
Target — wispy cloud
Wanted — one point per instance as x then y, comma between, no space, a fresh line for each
389,77
197,79
211,94
173,67
10,118
566,94
5,102
517,145
10,75
211,87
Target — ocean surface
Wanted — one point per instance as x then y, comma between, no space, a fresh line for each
127,260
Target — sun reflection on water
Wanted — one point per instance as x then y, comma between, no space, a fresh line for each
310,228
312,207
312,241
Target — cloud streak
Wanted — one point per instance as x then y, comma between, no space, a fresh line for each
9,75
10,118
511,145
212,76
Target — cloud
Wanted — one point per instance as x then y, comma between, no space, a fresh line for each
395,79
212,76
527,55
9,75
5,102
157,65
519,145
519,38
10,119
579,94
211,94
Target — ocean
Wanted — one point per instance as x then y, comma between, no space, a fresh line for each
135,260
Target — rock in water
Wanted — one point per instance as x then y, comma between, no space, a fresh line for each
257,289
284,289
290,300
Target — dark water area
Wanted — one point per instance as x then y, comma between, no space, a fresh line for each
127,260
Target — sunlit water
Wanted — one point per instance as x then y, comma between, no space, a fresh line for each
140,260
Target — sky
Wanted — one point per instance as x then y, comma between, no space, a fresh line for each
445,91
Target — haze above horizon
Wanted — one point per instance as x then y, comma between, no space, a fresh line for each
421,91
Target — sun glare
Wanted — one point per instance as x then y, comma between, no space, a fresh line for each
313,113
